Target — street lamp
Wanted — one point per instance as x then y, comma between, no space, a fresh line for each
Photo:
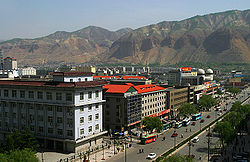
103,151
189,147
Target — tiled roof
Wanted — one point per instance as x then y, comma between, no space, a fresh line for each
51,83
134,77
106,77
148,88
72,73
114,88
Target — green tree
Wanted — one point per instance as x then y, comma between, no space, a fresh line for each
19,155
187,109
219,92
234,90
178,158
206,102
152,123
225,131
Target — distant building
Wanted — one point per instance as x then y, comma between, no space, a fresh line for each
10,63
72,76
91,69
28,71
1,59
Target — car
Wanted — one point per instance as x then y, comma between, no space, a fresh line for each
193,123
208,116
174,134
219,113
225,109
151,156
202,121
196,139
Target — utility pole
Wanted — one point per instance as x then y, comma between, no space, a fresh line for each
125,150
189,147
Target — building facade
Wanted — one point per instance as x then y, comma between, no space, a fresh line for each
64,116
10,63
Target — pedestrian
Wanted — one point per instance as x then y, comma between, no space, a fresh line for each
139,150
190,129
142,150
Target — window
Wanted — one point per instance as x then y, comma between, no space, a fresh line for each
97,127
40,95
89,95
40,118
14,93
58,96
96,94
32,128
90,107
59,119
6,114
97,106
49,108
117,99
31,94
81,120
69,109
59,108
69,133
14,115
79,79
31,118
50,130
59,131
40,129
6,93
71,80
90,128
22,94
69,121
68,96
48,95
96,116
81,109
90,117
50,119
39,107
81,96
81,131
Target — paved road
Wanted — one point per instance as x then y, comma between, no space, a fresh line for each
200,149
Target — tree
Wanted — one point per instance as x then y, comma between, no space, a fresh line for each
219,92
234,90
187,109
152,123
225,131
178,158
19,155
206,102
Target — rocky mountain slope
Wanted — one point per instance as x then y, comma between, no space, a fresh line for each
219,37
61,46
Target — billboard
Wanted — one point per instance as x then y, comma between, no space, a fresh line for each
238,75
185,68
190,74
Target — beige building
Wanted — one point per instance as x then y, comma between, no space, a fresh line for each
91,69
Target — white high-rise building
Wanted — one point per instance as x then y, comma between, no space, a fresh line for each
66,116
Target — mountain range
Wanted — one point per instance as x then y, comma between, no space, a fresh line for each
218,37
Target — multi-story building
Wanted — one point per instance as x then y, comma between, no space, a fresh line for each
66,116
10,63
1,59
127,104
175,98
28,71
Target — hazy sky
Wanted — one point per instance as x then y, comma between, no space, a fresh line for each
35,18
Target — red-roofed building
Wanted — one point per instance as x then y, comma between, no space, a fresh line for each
127,105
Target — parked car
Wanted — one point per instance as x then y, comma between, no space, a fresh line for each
196,139
202,121
193,123
174,134
208,116
151,156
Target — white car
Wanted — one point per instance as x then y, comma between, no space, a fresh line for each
196,139
151,156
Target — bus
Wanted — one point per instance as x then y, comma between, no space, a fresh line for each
186,122
196,116
148,139
178,124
